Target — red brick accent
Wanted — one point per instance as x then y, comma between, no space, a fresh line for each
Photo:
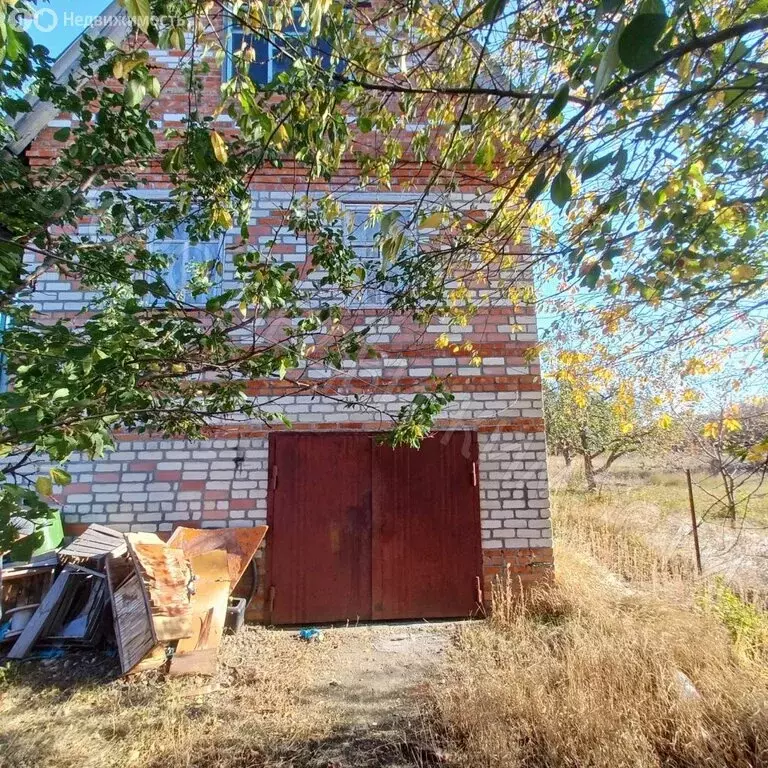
142,466
168,475
241,503
192,485
76,488
107,477
394,384
526,425
524,567
74,529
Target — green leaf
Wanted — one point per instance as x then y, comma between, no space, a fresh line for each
134,93
44,485
173,160
139,11
557,105
485,155
621,162
609,61
365,124
60,476
592,276
593,167
561,189
492,9
62,134
537,186
59,393
154,87
637,43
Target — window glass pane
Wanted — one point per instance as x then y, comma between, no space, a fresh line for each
174,274
259,68
282,51
322,49
181,256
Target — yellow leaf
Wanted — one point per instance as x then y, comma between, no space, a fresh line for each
731,425
711,430
44,485
433,220
442,341
743,272
758,452
219,147
665,422
281,136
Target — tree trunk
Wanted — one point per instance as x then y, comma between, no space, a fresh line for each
589,468
567,456
589,472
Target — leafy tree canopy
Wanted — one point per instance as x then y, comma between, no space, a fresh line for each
626,140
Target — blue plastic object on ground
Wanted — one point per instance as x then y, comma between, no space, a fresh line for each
310,634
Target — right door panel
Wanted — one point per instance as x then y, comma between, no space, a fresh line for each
426,549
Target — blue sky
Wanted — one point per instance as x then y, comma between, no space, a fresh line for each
59,22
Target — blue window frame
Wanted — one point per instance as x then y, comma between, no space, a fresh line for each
270,58
5,324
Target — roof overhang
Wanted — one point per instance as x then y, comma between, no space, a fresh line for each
113,24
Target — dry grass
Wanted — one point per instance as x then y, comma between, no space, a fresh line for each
591,528
584,674
252,714
628,659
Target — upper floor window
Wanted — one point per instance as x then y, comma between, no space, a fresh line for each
365,237
190,261
269,57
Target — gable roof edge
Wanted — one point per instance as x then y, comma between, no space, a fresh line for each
113,23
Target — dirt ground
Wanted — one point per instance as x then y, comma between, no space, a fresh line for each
349,700
372,682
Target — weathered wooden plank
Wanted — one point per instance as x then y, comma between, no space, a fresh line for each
133,626
198,654
95,543
165,578
241,545
41,618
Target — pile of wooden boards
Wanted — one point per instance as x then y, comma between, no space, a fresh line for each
168,600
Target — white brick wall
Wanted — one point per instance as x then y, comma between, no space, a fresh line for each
156,484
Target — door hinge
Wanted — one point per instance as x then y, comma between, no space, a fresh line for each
474,474
272,591
274,478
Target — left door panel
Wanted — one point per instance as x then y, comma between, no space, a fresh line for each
320,527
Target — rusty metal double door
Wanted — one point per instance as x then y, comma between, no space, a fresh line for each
359,531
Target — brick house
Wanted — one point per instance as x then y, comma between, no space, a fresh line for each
357,530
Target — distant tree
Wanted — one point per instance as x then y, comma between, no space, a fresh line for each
733,440
594,427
